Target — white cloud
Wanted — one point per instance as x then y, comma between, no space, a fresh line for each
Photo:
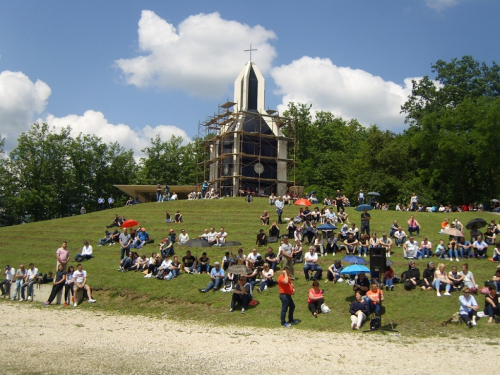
441,4
347,93
20,100
201,57
94,122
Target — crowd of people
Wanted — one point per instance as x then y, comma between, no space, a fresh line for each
277,269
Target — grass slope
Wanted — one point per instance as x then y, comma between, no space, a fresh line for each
412,313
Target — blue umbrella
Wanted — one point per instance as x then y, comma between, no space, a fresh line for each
354,269
353,259
326,226
362,207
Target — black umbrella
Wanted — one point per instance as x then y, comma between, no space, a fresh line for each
239,269
197,242
478,223
231,243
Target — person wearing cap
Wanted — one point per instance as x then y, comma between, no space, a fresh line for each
216,278
10,274
85,254
144,236
183,237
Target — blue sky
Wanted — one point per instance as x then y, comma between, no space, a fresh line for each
128,70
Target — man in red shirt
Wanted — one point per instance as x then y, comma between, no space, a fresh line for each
286,290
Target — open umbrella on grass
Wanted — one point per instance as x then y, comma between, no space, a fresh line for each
303,202
478,223
197,242
129,223
231,243
353,259
326,227
239,269
363,207
354,269
453,232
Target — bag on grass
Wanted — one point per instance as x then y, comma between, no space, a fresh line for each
375,323
325,309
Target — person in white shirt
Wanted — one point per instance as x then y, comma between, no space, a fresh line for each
85,254
480,247
386,243
311,264
80,283
252,257
400,237
183,237
410,248
221,236
10,274
279,209
31,275
212,237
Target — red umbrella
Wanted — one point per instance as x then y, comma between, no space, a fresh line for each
129,223
303,202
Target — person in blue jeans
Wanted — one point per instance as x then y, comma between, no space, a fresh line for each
389,278
286,289
376,297
242,294
492,303
441,277
216,278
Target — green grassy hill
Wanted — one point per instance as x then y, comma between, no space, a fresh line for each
414,312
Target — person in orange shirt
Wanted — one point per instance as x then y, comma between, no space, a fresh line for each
376,297
286,289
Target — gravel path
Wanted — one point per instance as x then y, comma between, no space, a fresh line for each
74,341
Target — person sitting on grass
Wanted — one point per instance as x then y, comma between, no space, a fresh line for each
351,244
425,249
364,243
267,277
297,252
58,285
480,248
126,263
164,269
203,264
216,278
80,283
261,238
334,271
468,307
361,283
359,310
413,226
388,278
468,279
428,277
116,222
212,237
166,247
491,303
274,230
331,244
376,297
106,239
456,278
242,294
264,218
271,258
386,243
400,236
189,263
178,217
315,298
496,252
85,254
441,277
311,264
411,277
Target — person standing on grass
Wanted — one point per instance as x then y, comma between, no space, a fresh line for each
365,222
286,289
58,285
286,252
62,255
279,209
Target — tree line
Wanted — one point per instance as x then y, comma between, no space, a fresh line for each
447,155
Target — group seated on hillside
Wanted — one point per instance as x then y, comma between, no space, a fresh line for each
214,238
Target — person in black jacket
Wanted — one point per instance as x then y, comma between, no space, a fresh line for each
411,277
428,277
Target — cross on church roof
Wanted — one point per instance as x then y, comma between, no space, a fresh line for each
250,50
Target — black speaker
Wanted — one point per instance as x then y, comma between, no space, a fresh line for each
377,259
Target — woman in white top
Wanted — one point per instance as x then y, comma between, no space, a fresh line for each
318,244
468,276
441,277
267,278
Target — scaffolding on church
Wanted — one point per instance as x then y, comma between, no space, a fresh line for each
254,162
